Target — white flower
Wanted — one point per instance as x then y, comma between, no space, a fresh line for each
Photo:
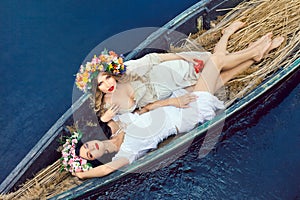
88,66
81,68
75,135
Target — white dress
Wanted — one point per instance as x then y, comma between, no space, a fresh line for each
144,132
159,79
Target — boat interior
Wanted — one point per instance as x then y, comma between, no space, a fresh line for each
202,25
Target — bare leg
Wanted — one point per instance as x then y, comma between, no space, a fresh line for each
255,52
221,46
210,75
230,74
227,75
208,78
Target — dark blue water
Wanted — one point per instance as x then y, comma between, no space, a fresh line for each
43,43
259,161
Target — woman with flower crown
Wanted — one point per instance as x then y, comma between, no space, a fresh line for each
138,137
149,81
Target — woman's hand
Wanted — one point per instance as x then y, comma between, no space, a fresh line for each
198,64
183,101
179,102
142,110
78,174
110,113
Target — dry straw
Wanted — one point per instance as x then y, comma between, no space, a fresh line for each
278,16
281,17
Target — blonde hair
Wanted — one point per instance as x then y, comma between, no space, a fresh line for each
97,99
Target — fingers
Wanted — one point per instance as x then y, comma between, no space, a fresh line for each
185,100
191,97
184,106
115,108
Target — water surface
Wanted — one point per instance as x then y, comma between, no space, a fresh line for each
43,43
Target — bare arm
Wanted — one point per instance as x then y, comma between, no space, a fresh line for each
174,56
179,102
143,65
169,56
103,170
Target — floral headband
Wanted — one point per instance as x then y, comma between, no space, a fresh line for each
70,161
107,61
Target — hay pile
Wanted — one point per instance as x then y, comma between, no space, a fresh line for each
47,183
282,17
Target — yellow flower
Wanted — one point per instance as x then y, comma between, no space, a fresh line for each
94,67
85,79
120,60
102,58
100,67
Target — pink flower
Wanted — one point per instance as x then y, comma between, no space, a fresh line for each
83,161
74,141
71,162
73,152
64,154
96,60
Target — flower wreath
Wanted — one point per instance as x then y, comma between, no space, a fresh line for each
107,61
70,161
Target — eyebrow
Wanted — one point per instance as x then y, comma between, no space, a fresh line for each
88,155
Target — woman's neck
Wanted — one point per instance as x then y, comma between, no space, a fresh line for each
113,145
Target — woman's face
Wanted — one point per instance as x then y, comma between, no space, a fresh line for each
92,150
106,83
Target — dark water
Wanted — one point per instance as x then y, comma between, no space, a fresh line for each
42,44
259,161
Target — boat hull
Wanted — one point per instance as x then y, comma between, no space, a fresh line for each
272,89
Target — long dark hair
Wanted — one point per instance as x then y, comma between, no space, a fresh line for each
94,163
105,128
107,131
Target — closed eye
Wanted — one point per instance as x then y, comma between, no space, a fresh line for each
89,155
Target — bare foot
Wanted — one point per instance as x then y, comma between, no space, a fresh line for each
262,45
233,27
276,42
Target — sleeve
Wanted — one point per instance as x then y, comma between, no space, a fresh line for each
142,65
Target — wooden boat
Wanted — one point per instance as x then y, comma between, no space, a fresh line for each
285,76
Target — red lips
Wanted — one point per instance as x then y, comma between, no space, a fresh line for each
199,66
111,88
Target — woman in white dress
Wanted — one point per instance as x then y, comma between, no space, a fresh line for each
150,80
144,132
